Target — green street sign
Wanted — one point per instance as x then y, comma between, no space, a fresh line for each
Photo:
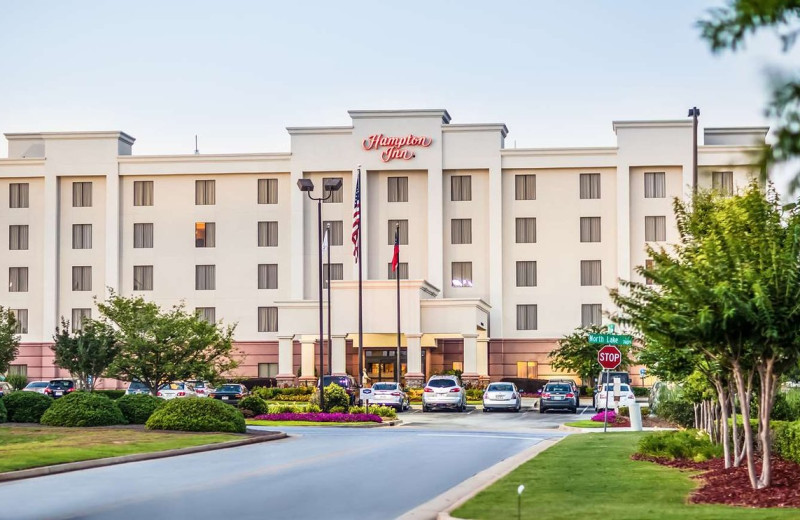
610,339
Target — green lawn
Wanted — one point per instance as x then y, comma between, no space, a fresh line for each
22,448
591,476
585,424
253,422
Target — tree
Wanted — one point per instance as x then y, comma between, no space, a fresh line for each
159,346
9,339
727,28
86,353
575,354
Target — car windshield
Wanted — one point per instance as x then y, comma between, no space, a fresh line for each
37,385
558,389
500,388
441,383
229,388
339,380
62,384
172,386
136,385
622,388
384,386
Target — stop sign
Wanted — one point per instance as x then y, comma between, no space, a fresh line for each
609,357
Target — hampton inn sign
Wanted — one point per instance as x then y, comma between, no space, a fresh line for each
395,147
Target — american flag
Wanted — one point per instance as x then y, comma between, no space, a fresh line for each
356,217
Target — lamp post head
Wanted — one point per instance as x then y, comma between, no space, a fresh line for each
520,489
334,184
694,111
305,185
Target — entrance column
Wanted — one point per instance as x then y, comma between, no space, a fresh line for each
414,376
307,376
470,375
285,375
483,360
338,355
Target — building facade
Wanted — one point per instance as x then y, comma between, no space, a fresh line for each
502,251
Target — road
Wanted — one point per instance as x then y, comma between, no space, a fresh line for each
327,473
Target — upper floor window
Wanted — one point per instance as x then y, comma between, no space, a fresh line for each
655,229
525,187
590,272
648,264
78,315
82,278
205,278
81,194
332,272
335,231
268,234
402,267
335,196
21,315
142,277
208,314
526,273
267,191
205,193
403,231
205,234
398,189
17,279
267,276
18,195
462,274
461,231
461,187
81,236
527,317
142,193
526,230
722,182
590,229
591,314
143,235
590,185
18,237
267,319
655,185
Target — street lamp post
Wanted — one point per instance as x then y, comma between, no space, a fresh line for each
694,113
329,186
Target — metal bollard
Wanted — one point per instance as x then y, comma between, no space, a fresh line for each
635,411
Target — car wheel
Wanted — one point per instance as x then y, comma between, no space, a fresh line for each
464,405
485,410
542,410
519,407
574,410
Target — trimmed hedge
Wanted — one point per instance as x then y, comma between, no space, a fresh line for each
83,409
137,408
193,414
26,407
255,404
111,394
3,412
786,441
685,445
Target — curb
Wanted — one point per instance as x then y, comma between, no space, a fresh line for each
112,461
395,422
441,506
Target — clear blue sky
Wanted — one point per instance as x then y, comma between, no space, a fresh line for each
237,73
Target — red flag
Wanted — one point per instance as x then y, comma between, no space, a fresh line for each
396,256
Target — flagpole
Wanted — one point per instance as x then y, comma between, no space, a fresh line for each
330,347
360,295
397,241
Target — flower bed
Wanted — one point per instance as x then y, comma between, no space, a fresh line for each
321,417
614,420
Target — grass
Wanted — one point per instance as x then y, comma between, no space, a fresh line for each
586,424
253,422
592,476
23,448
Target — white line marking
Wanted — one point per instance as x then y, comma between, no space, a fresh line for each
477,435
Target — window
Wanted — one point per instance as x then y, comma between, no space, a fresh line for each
527,369
205,234
655,185
460,187
81,194
143,235
402,267
590,272
205,193
18,370
267,234
461,231
82,278
462,274
398,189
526,230
458,365
267,319
267,276
81,236
722,182
78,315
335,238
142,193
21,315
205,277
17,279
18,195
142,277
590,229
525,187
335,196
18,237
590,185
648,264
267,370
591,314
527,317
655,229
267,191
208,314
336,273
526,273
403,231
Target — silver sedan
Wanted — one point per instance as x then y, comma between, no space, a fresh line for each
501,396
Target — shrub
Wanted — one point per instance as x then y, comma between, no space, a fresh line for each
335,397
26,407
111,394
3,412
312,408
676,411
290,398
337,409
685,444
137,408
255,404
17,381
786,441
787,406
83,409
474,394
383,411
267,394
321,417
193,414
640,391
285,408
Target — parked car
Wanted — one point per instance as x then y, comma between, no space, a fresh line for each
557,396
59,388
136,387
36,386
349,384
231,393
201,388
444,392
176,390
575,388
5,388
389,394
608,377
626,397
502,396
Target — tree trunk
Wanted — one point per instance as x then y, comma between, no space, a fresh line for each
722,395
745,387
737,458
696,416
766,401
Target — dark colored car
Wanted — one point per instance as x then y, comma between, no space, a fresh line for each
557,396
575,388
349,384
230,393
59,388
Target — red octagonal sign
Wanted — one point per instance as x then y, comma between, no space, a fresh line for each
609,357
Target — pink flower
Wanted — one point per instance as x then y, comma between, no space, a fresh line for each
320,417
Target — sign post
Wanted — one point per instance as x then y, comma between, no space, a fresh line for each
609,358
365,394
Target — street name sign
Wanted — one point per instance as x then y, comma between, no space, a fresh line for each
611,339
609,357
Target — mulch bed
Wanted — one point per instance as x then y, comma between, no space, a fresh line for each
732,486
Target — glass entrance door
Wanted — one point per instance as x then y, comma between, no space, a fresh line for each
380,363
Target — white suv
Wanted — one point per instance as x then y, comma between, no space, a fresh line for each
444,392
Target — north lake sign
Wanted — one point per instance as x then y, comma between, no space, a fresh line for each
611,339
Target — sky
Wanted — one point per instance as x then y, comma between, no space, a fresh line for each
236,73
